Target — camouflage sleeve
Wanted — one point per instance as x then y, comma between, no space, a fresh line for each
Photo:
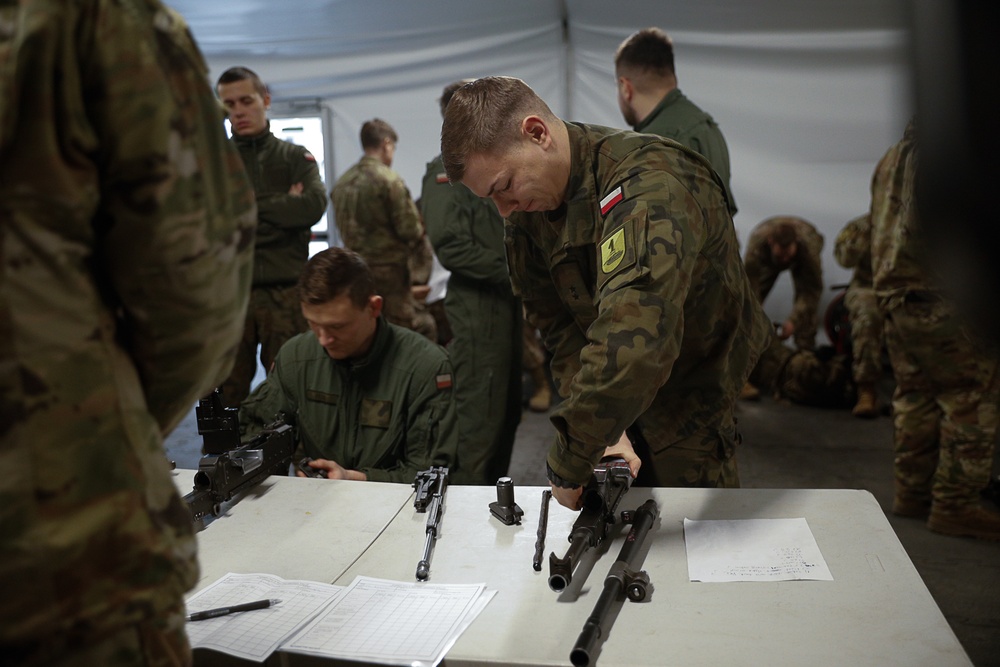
450,216
755,266
853,243
651,241
177,216
287,211
431,429
807,280
543,309
403,213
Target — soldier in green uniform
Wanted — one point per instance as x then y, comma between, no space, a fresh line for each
853,251
378,220
651,102
126,222
485,317
946,399
622,247
290,200
369,400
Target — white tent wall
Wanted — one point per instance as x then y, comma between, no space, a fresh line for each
808,94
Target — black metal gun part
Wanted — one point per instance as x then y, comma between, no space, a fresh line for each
430,486
611,480
229,466
622,581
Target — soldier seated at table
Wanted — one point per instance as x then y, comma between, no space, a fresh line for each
369,400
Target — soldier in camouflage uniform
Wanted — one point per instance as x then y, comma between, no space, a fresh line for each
787,243
290,200
853,251
467,234
651,102
623,250
126,223
946,398
378,220
370,400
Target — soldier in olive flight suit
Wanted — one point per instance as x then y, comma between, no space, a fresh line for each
623,249
290,200
651,102
485,317
126,222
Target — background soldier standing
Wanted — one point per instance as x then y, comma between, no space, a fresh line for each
946,399
126,222
485,318
378,220
290,200
853,251
624,252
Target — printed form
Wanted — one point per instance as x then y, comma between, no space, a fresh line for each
392,622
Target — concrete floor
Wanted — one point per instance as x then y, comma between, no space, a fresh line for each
789,446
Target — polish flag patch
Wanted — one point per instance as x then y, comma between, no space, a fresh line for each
442,177
611,199
309,156
443,381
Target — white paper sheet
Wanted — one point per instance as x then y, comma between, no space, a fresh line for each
254,635
392,622
753,550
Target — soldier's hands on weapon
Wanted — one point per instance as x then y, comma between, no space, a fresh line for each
571,498
334,470
623,449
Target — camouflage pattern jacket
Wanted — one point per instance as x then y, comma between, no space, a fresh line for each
806,268
898,250
283,220
375,214
126,223
853,250
678,118
388,414
637,286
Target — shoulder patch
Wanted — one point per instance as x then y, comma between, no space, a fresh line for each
441,178
443,381
618,251
611,199
309,156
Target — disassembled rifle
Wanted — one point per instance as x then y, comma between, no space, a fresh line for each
430,486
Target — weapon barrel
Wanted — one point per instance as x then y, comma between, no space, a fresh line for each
616,585
561,569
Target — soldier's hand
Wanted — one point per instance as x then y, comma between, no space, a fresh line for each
296,189
623,449
571,498
420,292
787,330
334,470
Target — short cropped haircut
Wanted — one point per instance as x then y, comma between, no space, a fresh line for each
647,51
448,91
374,133
335,271
234,74
783,234
485,117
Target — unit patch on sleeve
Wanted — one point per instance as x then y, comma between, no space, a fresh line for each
618,251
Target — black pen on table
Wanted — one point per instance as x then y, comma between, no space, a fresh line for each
225,611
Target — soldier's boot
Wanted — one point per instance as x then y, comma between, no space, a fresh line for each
749,393
542,398
972,521
867,404
910,507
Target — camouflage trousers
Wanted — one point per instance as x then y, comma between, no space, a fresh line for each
533,354
866,334
944,406
706,459
392,283
158,642
273,316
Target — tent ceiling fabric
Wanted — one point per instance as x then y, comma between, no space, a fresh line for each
808,94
